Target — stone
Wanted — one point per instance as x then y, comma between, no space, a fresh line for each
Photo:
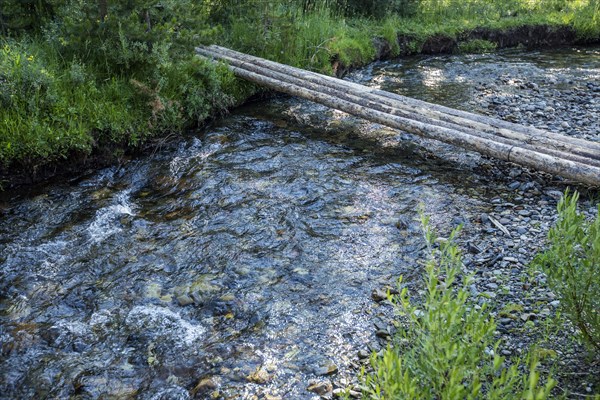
184,300
528,317
379,295
363,354
321,387
327,369
514,185
484,218
259,376
382,334
205,385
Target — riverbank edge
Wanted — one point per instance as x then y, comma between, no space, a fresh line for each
483,38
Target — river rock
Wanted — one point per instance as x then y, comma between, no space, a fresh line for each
260,376
379,295
328,369
323,388
205,385
363,354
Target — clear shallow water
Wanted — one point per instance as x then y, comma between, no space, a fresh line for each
251,245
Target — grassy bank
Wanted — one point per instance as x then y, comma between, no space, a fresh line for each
81,77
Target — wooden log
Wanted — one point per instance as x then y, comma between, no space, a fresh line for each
569,169
434,111
376,105
445,111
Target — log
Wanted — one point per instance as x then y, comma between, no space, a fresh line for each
474,121
569,169
367,102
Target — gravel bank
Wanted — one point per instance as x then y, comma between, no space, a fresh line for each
499,243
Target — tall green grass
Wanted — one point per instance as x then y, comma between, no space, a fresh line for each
76,85
51,109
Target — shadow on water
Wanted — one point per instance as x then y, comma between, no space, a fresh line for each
240,261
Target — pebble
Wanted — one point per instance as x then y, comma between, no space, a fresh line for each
379,295
528,317
327,369
323,388
259,376
184,300
363,354
205,385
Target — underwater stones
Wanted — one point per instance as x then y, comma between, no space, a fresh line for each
260,376
196,292
205,386
156,321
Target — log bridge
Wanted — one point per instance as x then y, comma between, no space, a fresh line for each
572,158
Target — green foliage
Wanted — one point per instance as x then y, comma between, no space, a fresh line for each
477,46
571,264
587,21
50,108
129,35
23,15
76,74
446,348
35,118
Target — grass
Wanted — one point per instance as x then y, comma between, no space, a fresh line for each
55,105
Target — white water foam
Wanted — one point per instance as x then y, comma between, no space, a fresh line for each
161,320
106,221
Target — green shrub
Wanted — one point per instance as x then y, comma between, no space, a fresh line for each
446,348
477,46
23,15
572,264
128,36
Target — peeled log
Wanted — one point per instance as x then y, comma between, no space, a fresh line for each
495,147
495,126
358,98
568,169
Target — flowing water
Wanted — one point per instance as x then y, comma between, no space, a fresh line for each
240,260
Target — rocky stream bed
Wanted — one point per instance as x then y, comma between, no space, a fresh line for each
249,260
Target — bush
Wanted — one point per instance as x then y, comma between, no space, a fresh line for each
132,36
477,46
446,349
23,15
572,264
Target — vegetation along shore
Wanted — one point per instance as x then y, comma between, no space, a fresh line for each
88,83
256,262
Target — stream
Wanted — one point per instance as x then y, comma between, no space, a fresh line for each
239,262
